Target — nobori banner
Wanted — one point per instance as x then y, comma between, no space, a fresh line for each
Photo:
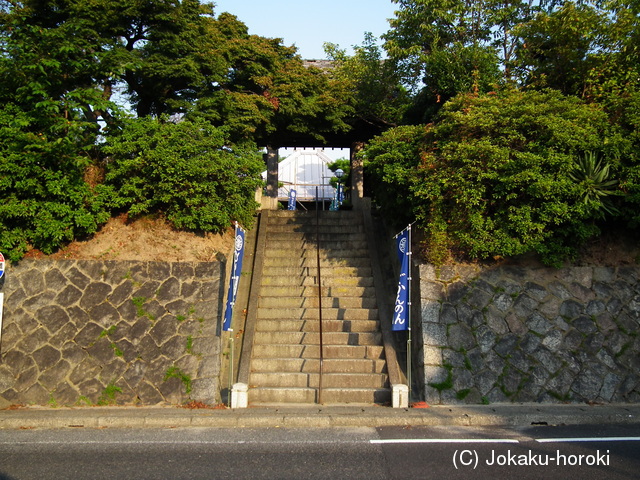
2,265
401,309
238,254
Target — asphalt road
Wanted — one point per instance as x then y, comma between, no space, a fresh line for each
585,452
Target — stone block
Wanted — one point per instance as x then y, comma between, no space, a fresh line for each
60,338
515,324
205,390
78,278
559,290
485,337
121,294
431,290
435,375
147,349
101,350
54,280
36,394
33,282
26,379
88,335
584,324
72,353
536,291
147,290
538,323
113,370
460,337
506,344
478,298
430,312
95,294
174,348
164,329
168,291
68,296
55,375
553,340
148,394
432,356
17,361
209,366
7,378
159,271
503,302
42,299
550,307
457,292
135,373
524,305
182,270
104,314
610,385
587,385
485,381
190,289
89,368
548,360
46,357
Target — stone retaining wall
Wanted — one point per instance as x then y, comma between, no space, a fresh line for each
110,332
513,334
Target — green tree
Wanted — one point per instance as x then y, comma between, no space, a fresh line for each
369,83
496,174
185,171
445,47
557,47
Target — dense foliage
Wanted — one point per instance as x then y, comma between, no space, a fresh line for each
185,170
527,125
68,70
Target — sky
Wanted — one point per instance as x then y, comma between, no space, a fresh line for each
308,24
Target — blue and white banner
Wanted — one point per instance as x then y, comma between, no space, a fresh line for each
401,310
340,194
236,270
292,200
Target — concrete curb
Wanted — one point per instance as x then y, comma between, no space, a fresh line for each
317,416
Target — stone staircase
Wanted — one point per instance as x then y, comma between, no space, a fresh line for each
285,361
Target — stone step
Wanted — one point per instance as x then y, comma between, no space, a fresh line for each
312,302
265,396
312,380
346,314
313,338
310,281
343,254
298,216
330,244
312,365
311,262
308,231
373,352
314,325
312,271
290,291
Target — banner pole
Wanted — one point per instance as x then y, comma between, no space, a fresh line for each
230,371
409,356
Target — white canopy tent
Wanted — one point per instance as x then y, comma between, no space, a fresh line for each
303,171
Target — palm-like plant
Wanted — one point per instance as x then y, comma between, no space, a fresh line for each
596,183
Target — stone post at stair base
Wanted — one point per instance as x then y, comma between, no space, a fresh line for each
240,395
400,396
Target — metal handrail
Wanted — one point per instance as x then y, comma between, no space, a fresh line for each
319,298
